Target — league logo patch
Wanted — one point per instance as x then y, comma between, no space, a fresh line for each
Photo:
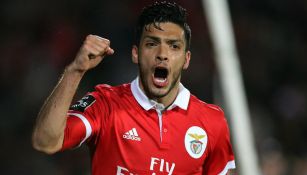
195,141
82,104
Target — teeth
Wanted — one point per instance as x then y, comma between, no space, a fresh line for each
160,80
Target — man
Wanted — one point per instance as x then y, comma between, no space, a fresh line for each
150,126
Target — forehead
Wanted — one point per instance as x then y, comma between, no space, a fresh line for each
167,30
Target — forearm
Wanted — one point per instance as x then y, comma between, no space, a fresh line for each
48,132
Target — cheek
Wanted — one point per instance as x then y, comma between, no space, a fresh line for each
143,62
144,66
146,59
179,63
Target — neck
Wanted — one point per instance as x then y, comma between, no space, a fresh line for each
166,100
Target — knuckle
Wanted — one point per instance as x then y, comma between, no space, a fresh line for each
107,41
104,40
89,36
103,45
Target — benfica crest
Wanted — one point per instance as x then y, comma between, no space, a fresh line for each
196,141
196,145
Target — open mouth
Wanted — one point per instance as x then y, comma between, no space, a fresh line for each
160,76
161,73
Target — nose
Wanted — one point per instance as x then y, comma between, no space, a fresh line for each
162,53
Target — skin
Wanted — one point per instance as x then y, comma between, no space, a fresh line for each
157,48
164,48
48,133
161,48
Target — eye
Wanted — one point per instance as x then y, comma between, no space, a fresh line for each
175,46
150,44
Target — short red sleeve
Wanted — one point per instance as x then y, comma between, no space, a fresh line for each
84,120
221,157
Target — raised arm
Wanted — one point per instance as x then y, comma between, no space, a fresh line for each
48,133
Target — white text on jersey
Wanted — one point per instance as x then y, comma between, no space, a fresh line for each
156,165
132,135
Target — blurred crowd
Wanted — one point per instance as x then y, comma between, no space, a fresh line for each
39,38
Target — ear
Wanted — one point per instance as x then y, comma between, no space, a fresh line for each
187,60
134,53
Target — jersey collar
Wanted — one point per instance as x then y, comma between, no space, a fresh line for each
182,99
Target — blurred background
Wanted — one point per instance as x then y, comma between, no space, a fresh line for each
39,38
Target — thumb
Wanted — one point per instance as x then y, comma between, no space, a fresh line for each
110,51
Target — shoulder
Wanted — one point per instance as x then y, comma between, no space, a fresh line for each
109,91
210,113
213,119
201,105
103,96
106,87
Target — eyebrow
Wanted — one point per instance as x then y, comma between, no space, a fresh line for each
153,38
167,40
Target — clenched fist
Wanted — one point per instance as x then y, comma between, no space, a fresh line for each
91,53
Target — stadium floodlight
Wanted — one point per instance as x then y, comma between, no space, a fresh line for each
228,66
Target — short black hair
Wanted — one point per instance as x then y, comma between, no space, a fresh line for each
160,12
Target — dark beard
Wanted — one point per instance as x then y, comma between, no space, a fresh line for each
152,95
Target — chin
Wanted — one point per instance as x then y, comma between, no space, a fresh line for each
153,91
158,92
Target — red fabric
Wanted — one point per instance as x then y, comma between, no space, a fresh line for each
74,133
125,138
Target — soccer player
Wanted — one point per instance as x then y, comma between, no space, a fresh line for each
152,125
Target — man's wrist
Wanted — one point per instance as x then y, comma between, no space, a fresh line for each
71,71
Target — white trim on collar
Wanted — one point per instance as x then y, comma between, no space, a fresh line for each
182,99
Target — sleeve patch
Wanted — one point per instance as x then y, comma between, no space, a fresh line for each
82,104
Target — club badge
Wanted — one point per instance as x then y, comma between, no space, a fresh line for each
195,141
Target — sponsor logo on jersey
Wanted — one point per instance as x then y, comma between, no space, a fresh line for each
84,103
157,166
195,141
132,135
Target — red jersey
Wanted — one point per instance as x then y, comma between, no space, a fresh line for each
127,133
